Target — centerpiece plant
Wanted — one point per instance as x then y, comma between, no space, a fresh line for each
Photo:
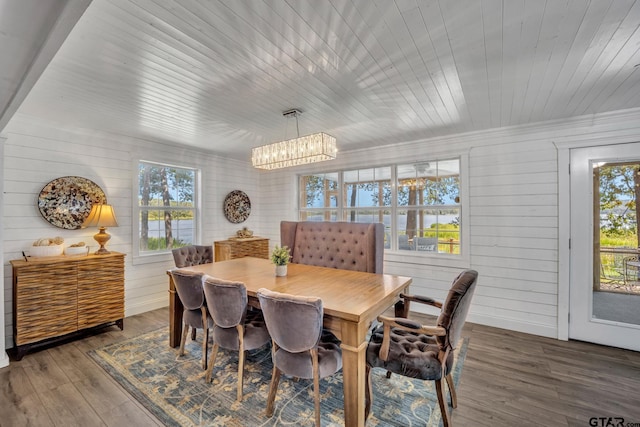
280,256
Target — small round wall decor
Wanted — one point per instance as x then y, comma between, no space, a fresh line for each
237,206
66,202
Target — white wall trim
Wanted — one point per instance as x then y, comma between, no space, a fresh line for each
4,358
564,234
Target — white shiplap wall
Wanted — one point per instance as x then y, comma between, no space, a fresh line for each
512,206
35,154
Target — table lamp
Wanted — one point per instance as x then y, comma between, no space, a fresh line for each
101,216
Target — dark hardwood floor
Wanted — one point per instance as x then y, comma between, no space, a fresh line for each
509,379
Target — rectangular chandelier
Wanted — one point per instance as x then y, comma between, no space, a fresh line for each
302,150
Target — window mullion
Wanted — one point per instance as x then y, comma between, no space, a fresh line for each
393,245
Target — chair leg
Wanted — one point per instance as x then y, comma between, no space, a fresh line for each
273,388
446,421
368,393
193,334
212,361
241,357
185,332
205,340
452,391
388,374
205,347
316,383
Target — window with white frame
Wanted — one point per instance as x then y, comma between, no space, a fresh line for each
167,207
319,196
428,206
418,203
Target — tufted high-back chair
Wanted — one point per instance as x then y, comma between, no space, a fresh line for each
301,348
344,245
195,315
235,327
187,256
406,347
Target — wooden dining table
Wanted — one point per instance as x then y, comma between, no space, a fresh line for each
351,300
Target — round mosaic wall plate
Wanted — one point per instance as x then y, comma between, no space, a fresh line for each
66,202
237,206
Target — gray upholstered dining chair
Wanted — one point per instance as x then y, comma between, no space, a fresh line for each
195,315
235,327
301,347
187,256
406,347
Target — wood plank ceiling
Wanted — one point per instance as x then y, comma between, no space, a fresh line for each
219,74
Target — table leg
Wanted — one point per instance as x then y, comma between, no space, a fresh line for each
353,373
400,309
175,316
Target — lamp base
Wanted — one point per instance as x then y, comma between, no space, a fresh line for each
102,237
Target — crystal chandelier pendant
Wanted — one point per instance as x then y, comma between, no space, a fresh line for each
316,147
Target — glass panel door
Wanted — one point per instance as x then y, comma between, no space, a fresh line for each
616,288
604,302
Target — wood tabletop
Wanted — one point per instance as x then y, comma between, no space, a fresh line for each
350,295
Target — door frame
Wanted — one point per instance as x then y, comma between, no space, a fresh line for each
564,146
4,357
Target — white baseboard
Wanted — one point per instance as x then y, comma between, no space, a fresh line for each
498,322
514,325
133,309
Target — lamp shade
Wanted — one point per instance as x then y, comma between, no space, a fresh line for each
101,215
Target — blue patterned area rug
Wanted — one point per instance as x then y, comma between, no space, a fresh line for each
173,388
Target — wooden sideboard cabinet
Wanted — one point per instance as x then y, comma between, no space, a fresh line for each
57,296
237,248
